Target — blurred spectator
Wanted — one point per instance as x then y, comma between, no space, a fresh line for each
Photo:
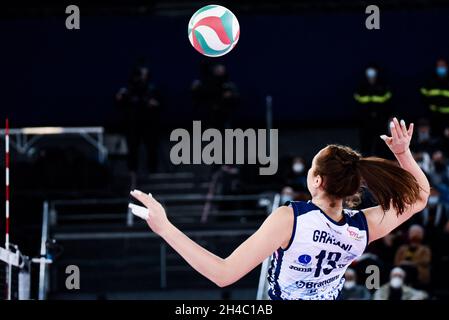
367,199
227,180
140,103
215,96
436,95
443,260
363,264
385,248
424,161
373,98
423,141
353,201
296,176
352,290
434,219
439,177
445,142
415,257
397,290
439,173
287,194
433,216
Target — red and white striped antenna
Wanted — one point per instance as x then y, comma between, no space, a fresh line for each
7,184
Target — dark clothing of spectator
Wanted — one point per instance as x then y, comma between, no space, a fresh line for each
296,180
374,110
215,98
436,96
424,144
385,249
415,260
357,292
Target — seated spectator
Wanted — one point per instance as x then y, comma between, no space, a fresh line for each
439,175
424,161
385,249
215,97
352,290
395,289
296,176
287,194
434,215
415,257
445,142
423,141
353,201
363,267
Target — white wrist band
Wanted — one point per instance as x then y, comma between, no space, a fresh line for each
139,211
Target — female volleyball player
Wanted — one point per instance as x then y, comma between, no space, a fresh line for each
314,242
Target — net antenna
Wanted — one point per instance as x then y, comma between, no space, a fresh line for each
9,265
7,185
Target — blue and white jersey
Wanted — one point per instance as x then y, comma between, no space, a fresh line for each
320,249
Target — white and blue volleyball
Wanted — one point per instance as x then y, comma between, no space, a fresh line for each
213,30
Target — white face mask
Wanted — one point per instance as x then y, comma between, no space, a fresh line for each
349,284
298,167
396,282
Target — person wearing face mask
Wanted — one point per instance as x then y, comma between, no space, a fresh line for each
140,104
287,194
445,140
440,173
415,256
374,108
433,214
424,161
215,96
436,96
395,289
439,177
351,290
425,142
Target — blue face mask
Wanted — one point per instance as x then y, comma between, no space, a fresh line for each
442,71
371,73
285,198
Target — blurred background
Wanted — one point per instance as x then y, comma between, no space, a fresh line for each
114,90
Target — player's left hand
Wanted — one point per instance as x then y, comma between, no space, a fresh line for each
399,142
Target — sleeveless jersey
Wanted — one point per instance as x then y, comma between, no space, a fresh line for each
320,250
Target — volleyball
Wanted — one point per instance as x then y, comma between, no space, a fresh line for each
213,30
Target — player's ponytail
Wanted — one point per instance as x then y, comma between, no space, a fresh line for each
344,171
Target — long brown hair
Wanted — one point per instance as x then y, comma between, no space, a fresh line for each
344,171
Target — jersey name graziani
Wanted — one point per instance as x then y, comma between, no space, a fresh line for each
320,249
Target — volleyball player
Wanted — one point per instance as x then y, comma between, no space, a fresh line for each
314,242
